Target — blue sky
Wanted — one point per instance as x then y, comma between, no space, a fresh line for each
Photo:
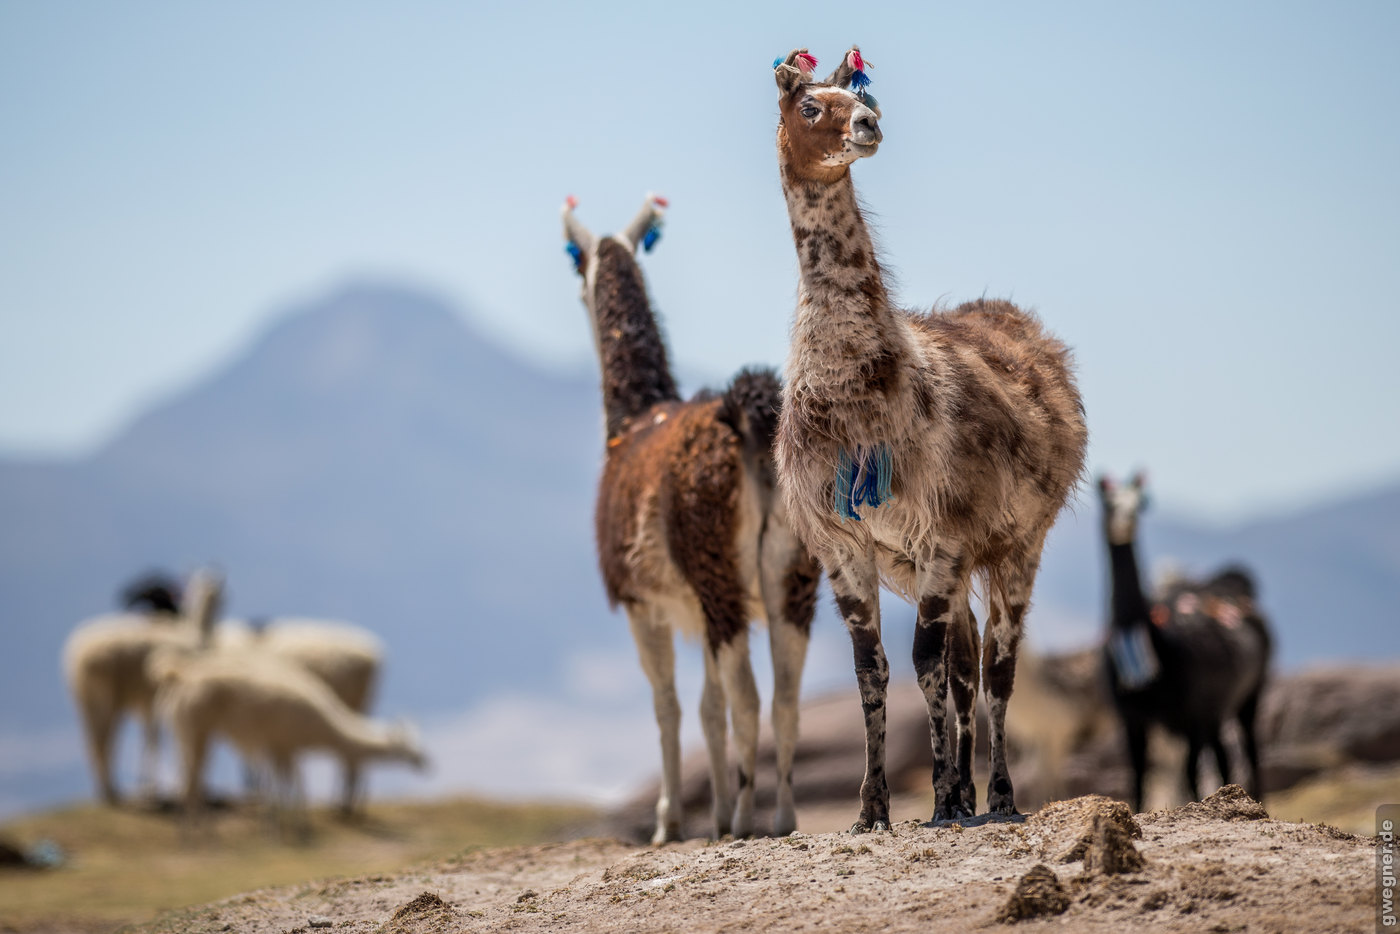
1201,198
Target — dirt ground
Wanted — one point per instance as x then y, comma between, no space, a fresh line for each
1084,865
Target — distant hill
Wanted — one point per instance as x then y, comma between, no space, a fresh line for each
370,457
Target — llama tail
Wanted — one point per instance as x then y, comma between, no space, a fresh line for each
751,404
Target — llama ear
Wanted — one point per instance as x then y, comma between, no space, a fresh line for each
645,228
578,240
794,71
850,73
1140,480
1105,484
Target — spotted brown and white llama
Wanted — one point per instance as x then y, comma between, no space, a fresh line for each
1190,661
919,449
692,536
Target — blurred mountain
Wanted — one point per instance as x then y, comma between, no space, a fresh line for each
372,458
368,458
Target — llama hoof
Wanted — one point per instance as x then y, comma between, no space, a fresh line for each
669,833
880,827
859,827
1005,808
784,824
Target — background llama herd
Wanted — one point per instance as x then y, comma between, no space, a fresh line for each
925,452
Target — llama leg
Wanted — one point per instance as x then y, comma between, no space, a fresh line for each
938,595
99,723
150,753
741,695
194,746
658,658
350,795
1222,760
963,651
788,644
1003,641
1193,761
712,721
789,577
1248,716
857,590
1137,757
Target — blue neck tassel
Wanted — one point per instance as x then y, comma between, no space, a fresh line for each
863,479
652,235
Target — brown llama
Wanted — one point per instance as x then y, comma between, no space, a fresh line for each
917,449
691,534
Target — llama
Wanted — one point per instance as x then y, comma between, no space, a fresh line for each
691,536
1191,661
272,710
918,450
104,663
347,658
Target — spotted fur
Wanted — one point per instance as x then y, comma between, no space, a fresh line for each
986,430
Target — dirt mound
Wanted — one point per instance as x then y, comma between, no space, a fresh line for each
423,904
1229,803
1038,893
1202,869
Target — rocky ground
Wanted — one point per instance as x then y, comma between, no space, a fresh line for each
1084,864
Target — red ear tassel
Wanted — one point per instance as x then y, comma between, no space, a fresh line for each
806,63
854,60
571,202
660,201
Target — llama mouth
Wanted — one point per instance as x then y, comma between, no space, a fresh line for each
863,149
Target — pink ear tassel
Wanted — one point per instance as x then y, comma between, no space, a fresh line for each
660,201
571,202
806,63
854,60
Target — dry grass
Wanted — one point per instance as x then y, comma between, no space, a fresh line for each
1346,798
127,866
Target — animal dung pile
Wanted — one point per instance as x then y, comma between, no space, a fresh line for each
1038,893
1231,802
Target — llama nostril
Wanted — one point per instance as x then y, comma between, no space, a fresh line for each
867,129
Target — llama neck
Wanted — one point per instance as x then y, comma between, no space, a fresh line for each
635,370
1126,601
360,738
842,295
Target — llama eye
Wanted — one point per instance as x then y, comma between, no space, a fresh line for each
810,112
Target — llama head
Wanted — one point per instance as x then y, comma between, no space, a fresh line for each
203,599
615,255
1122,504
824,126
405,745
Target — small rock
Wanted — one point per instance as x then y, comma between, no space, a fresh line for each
1039,893
526,895
1111,849
318,921
738,844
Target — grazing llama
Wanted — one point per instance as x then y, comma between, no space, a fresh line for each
271,709
691,536
917,449
1192,661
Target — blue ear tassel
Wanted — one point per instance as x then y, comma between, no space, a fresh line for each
859,81
572,249
652,235
863,479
